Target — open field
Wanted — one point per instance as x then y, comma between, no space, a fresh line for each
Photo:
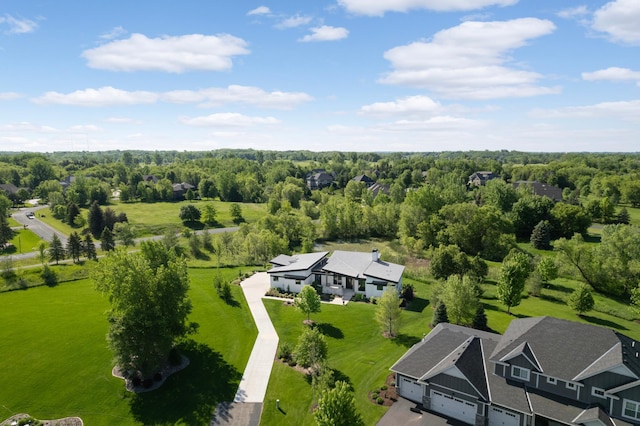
57,363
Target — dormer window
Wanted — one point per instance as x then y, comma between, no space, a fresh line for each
571,385
598,392
552,380
520,373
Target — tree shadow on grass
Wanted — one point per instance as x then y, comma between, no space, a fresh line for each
558,287
190,396
417,304
603,322
552,299
329,330
406,340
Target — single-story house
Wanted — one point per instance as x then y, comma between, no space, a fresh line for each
319,179
344,274
541,189
543,371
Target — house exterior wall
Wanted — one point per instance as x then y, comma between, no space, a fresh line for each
632,394
453,383
288,283
559,388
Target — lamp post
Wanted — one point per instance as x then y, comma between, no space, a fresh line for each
19,245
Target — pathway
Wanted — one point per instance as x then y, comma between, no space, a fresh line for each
246,408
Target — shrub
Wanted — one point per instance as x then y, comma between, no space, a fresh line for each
393,383
379,401
358,297
292,362
374,395
383,387
174,357
373,300
136,381
49,276
407,292
147,383
285,351
157,377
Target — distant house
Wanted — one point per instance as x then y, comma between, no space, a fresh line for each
319,179
9,188
541,189
378,188
543,371
66,182
364,179
481,178
344,273
150,179
180,189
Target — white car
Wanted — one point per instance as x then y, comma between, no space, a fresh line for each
30,215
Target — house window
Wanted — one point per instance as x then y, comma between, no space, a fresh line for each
598,392
520,373
631,409
275,279
380,287
571,385
298,282
335,280
361,285
552,380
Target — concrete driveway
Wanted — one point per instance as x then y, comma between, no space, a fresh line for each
400,414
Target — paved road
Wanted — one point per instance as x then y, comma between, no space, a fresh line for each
246,408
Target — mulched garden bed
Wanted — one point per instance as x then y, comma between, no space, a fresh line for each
388,395
67,421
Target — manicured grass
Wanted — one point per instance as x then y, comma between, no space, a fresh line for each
357,351
12,222
25,241
56,361
155,218
56,224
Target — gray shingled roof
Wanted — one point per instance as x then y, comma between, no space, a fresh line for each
554,407
297,262
592,414
562,348
361,265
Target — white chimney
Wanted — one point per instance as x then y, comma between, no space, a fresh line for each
375,255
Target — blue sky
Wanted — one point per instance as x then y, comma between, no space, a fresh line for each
348,75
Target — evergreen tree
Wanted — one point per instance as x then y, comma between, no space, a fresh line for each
74,246
56,250
72,212
480,319
439,315
106,240
581,300
49,276
95,219
623,216
89,248
6,233
541,236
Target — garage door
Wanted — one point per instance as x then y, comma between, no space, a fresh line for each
500,417
411,390
453,407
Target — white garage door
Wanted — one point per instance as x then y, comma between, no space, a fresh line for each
500,417
411,390
453,407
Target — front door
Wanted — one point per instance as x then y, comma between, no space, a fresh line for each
350,283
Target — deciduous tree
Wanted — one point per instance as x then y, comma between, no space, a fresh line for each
388,313
311,350
581,300
513,274
337,407
149,305
308,301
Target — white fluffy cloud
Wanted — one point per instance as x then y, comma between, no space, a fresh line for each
626,110
228,119
620,19
409,106
379,7
613,74
168,53
574,12
18,26
104,96
326,33
10,96
294,21
470,61
238,94
260,10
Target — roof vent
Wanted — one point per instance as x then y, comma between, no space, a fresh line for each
633,344
375,255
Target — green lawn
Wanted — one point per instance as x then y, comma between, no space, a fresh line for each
25,241
357,351
56,362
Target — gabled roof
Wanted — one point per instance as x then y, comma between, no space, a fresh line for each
9,188
361,265
563,349
542,189
363,178
525,350
595,415
297,262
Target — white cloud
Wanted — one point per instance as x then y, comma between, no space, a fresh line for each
470,61
238,94
294,21
18,26
121,120
411,105
574,12
620,20
260,10
326,33
613,74
228,119
104,96
626,110
10,96
114,33
167,53
379,7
